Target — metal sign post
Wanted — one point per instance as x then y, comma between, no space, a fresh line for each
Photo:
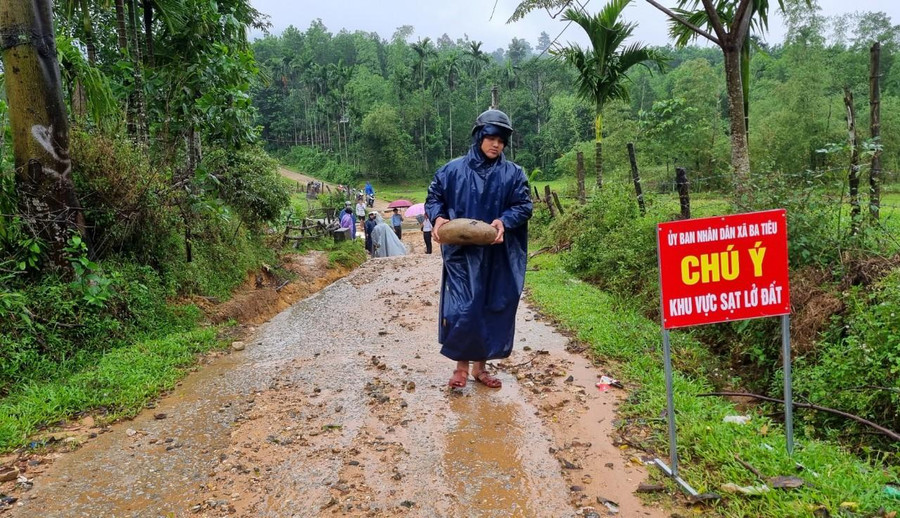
723,269
672,469
788,393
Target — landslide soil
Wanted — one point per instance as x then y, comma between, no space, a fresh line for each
338,405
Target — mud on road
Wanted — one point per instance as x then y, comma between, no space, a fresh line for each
339,406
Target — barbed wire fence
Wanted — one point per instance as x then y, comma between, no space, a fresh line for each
831,185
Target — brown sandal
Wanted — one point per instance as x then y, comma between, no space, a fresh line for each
484,377
459,379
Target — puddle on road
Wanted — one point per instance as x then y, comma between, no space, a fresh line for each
481,459
486,457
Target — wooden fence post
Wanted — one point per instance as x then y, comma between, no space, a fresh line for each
875,118
579,170
558,204
549,201
636,176
681,182
854,161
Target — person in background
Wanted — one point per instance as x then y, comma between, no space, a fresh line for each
384,242
361,212
481,285
348,222
369,227
397,223
370,195
339,213
426,233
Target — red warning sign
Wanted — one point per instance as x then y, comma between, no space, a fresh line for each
723,268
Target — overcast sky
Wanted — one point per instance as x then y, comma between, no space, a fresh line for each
457,18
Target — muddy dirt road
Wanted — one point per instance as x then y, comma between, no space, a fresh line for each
338,406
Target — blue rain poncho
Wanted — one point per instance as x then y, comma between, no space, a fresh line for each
481,285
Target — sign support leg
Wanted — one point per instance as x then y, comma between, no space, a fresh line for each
670,412
670,402
788,395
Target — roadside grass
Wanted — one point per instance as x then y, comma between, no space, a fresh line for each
707,446
348,254
117,385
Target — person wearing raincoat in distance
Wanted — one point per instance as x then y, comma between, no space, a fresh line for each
385,242
481,285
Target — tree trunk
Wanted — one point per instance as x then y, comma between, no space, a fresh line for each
875,118
121,32
78,100
745,84
740,154
854,160
598,148
148,32
138,120
88,28
451,130
684,192
636,177
46,194
579,170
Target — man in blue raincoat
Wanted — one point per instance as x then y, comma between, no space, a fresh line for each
481,285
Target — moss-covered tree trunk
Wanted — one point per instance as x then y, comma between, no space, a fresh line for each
46,193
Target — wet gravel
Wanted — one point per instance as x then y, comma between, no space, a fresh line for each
338,406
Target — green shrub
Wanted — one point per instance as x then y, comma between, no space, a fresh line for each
124,196
856,365
613,246
248,182
62,332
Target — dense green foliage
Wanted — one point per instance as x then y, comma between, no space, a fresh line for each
176,198
857,364
383,107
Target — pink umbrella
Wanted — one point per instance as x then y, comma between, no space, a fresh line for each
415,210
399,204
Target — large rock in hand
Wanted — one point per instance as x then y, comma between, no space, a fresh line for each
464,231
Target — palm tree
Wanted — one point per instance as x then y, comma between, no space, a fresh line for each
423,49
690,11
477,61
730,21
602,69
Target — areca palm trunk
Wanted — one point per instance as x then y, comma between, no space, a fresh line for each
598,140
745,83
138,122
451,129
88,28
148,32
121,33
